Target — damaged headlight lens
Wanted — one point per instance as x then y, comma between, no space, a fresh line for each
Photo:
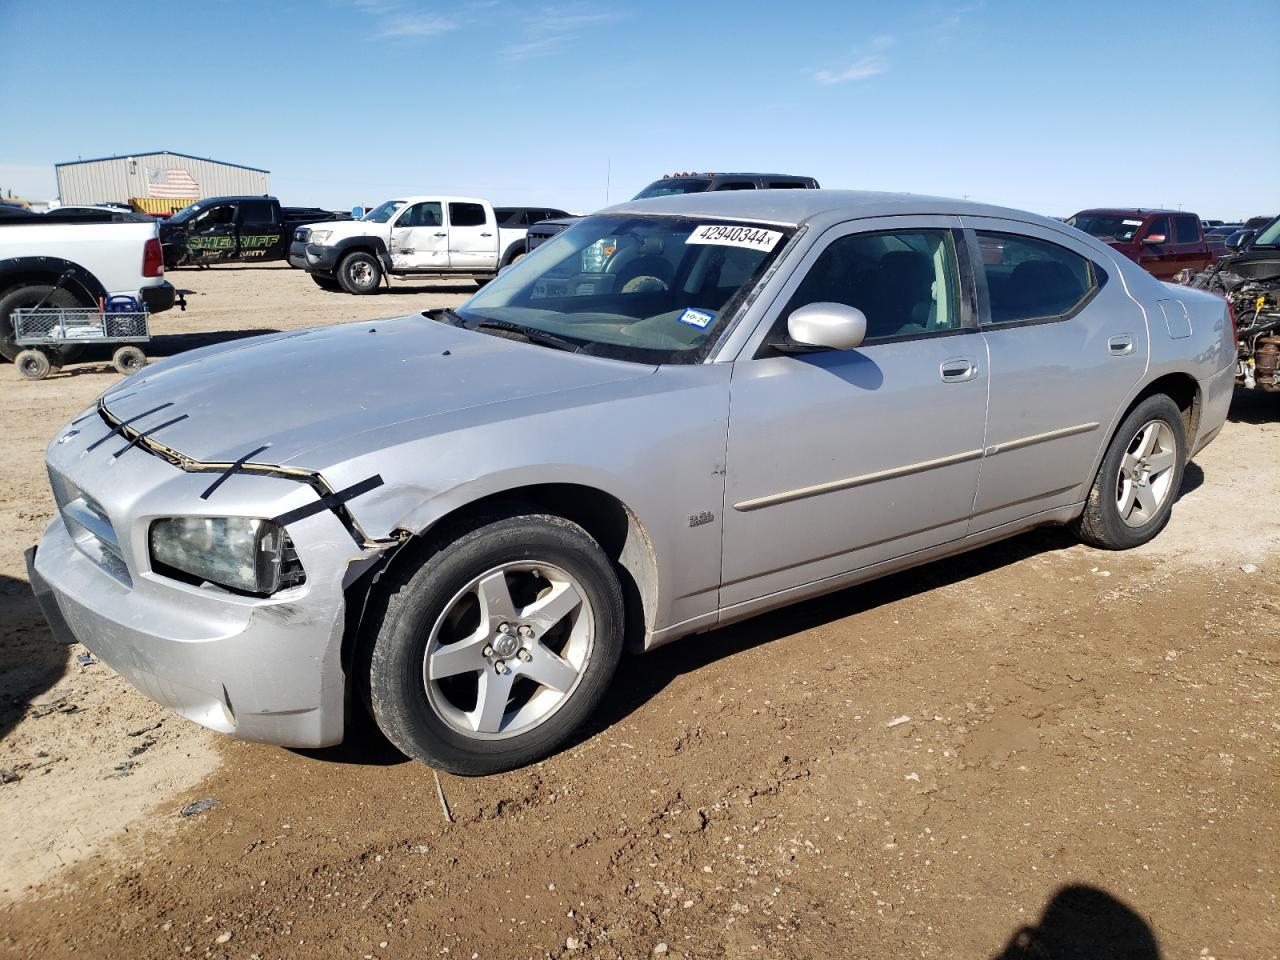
319,236
239,553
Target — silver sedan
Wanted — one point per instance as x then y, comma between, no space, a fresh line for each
676,414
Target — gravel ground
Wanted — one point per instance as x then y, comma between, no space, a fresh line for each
1034,750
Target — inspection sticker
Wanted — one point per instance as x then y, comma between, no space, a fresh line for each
728,235
696,318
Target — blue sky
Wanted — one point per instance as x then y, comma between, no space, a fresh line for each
1050,107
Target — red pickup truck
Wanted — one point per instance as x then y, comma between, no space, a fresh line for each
1163,242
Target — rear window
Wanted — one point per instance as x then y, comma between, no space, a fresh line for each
1187,230
672,186
1032,279
466,215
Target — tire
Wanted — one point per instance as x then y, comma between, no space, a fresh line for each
360,273
326,282
475,706
1139,478
128,359
33,364
481,281
28,296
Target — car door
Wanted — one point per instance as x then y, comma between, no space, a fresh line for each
257,229
419,239
473,237
1190,251
838,460
211,237
1066,345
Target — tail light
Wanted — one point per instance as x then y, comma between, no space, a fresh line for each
152,259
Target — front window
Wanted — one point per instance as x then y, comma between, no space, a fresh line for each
672,186
647,289
1107,226
186,213
383,211
1270,236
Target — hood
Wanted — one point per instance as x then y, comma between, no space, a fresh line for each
295,391
347,228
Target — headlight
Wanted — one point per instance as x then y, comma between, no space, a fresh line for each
320,236
239,553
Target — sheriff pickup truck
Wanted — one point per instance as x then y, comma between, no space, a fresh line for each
412,236
222,229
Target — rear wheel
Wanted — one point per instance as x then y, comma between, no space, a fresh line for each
28,296
496,647
1132,496
360,273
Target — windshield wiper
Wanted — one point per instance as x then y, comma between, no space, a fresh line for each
531,334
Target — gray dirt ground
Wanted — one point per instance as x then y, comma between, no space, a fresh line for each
1088,767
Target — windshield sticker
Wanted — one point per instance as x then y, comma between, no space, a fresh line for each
1132,223
696,318
727,235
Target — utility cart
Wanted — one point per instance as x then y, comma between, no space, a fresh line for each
47,335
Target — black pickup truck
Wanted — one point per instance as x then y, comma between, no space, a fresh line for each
220,229
684,183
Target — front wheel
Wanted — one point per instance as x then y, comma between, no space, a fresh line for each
326,282
496,646
359,273
1132,496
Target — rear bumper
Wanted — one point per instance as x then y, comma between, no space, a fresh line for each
255,673
1215,398
159,298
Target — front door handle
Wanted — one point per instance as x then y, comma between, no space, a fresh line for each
958,369
442,233
1121,345
486,234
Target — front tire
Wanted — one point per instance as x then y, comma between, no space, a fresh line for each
360,273
326,282
1139,478
496,646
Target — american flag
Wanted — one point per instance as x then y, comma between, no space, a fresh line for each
171,182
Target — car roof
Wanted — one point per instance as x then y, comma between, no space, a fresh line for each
796,207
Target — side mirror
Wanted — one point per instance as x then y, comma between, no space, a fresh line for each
831,326
1239,240
1153,239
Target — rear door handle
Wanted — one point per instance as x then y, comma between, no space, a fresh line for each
958,369
1121,345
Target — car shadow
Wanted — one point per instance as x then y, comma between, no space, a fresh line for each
400,290
1083,923
31,660
1192,479
96,359
1254,406
644,677
363,745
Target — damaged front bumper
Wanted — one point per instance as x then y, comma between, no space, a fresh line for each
269,669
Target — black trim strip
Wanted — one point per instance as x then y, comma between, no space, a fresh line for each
142,436
230,470
329,501
121,426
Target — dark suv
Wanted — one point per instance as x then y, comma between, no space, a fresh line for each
673,183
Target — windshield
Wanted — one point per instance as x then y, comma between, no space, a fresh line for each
666,188
383,211
186,213
1109,226
646,289
1270,235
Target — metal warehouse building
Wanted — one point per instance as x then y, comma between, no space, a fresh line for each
162,179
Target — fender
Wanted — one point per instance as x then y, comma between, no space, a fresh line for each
363,242
29,270
514,248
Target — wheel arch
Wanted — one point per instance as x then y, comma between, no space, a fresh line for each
514,248
608,520
32,271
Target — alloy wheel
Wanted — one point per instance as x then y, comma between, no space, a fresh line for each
1146,474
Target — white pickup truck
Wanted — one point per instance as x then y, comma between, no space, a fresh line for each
413,236
74,261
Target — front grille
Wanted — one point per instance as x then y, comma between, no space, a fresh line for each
89,526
